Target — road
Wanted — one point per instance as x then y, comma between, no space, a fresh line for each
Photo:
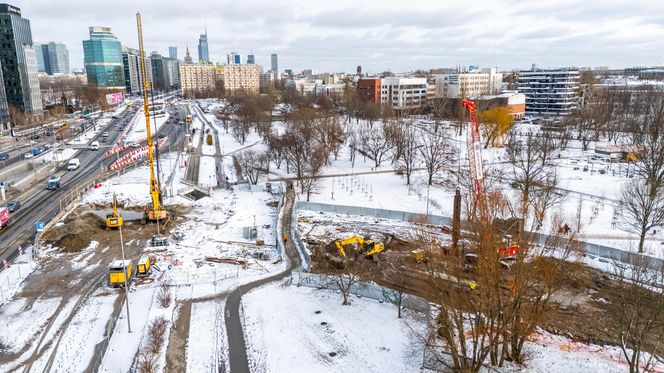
237,350
40,204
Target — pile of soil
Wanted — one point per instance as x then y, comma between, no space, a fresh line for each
76,232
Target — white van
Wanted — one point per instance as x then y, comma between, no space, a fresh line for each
73,164
94,145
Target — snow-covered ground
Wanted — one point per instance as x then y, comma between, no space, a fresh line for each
138,132
132,188
284,333
296,329
207,337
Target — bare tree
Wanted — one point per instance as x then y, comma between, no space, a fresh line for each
313,167
639,313
376,144
253,164
240,131
410,154
643,210
434,151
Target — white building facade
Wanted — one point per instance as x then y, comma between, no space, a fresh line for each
404,93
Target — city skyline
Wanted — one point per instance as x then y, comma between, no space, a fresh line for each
405,37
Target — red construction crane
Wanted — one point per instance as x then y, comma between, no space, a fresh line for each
479,201
474,143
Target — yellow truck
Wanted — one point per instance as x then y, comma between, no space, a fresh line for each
144,267
119,271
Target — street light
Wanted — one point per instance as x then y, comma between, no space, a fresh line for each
124,268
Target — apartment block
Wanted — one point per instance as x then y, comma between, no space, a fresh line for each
550,92
369,89
242,77
197,78
404,93
470,85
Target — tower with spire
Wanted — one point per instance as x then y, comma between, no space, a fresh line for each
187,57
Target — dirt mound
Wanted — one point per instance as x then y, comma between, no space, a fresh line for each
76,232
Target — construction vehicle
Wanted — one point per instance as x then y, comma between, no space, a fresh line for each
366,247
477,179
154,210
120,273
114,220
419,256
144,267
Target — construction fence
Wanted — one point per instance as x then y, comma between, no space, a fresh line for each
590,249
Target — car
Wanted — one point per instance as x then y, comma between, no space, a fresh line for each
104,139
53,183
49,133
135,144
28,155
94,145
105,134
4,156
73,164
13,205
34,137
48,146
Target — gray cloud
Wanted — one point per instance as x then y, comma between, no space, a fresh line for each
380,35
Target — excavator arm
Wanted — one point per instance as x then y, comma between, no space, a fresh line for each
368,247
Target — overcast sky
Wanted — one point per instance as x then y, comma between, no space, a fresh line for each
338,35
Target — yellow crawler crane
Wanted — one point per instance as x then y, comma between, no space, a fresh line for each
114,220
154,210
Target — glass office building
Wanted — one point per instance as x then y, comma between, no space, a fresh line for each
103,59
19,71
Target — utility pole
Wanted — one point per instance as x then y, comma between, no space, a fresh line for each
126,285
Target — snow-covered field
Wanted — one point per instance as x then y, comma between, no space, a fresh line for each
284,333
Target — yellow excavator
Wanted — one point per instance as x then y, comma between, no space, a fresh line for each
367,247
154,210
114,220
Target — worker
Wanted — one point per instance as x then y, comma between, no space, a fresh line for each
285,238
472,285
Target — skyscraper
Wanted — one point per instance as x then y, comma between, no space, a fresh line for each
187,57
158,72
203,54
274,66
103,59
18,60
52,58
233,58
173,52
132,70
251,59
40,57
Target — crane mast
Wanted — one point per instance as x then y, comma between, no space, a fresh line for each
153,211
474,143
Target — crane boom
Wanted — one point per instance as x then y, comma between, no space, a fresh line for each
474,143
154,210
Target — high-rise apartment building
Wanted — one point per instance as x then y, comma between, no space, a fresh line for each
171,73
251,59
103,59
471,85
242,77
52,58
132,70
550,92
173,53
274,65
19,62
203,53
404,93
197,78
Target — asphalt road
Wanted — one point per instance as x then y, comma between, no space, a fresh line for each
40,204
